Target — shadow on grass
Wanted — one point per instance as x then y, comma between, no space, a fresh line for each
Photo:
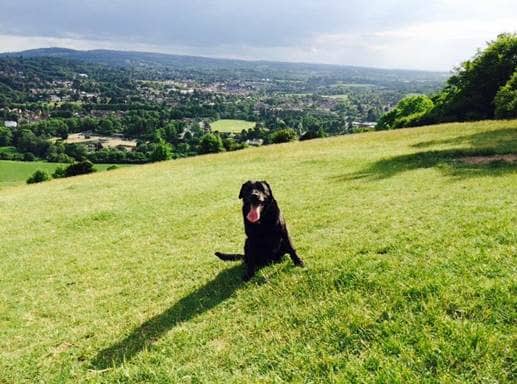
452,162
502,140
196,303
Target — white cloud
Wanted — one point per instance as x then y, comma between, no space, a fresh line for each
417,34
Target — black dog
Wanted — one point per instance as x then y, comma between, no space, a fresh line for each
267,237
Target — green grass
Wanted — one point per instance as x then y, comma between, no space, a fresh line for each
7,149
410,275
17,172
232,126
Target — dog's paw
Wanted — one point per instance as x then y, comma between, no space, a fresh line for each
247,276
299,263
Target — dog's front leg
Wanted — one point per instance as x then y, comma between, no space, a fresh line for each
250,259
288,246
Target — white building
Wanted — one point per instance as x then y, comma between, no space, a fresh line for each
10,124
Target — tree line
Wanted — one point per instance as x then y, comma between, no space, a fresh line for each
484,87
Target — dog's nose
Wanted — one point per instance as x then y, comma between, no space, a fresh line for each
255,197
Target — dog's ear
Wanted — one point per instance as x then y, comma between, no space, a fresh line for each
244,187
264,182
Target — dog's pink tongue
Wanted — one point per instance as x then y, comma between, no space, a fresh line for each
254,214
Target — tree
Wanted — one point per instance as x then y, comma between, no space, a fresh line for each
211,143
6,137
407,112
476,91
283,135
38,177
470,93
506,99
105,127
162,151
76,151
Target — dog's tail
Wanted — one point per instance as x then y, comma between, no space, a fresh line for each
229,256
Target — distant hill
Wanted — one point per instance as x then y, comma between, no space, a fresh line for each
270,68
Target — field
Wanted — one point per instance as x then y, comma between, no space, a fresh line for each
228,125
339,97
410,277
17,172
106,141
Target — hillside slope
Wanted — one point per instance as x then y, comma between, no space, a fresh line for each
410,276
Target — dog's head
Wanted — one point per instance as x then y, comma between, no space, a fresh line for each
256,197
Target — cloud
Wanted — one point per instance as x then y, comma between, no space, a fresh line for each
389,33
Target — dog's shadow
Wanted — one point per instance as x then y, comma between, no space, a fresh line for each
196,303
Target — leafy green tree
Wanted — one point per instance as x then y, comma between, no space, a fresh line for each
6,137
105,127
506,99
57,127
162,151
171,132
38,177
26,141
470,92
76,151
283,135
211,143
407,112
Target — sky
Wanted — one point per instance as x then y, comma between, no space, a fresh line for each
429,35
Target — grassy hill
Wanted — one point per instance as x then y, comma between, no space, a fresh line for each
409,240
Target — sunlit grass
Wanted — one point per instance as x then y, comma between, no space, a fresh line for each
229,125
410,273
17,172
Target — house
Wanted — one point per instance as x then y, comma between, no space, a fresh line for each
364,124
255,142
10,124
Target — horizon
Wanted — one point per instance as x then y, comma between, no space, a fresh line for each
431,36
224,58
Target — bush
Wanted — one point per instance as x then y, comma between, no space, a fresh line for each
80,168
231,144
313,134
38,177
59,173
29,156
211,143
283,135
407,113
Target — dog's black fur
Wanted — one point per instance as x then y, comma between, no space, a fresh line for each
267,238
